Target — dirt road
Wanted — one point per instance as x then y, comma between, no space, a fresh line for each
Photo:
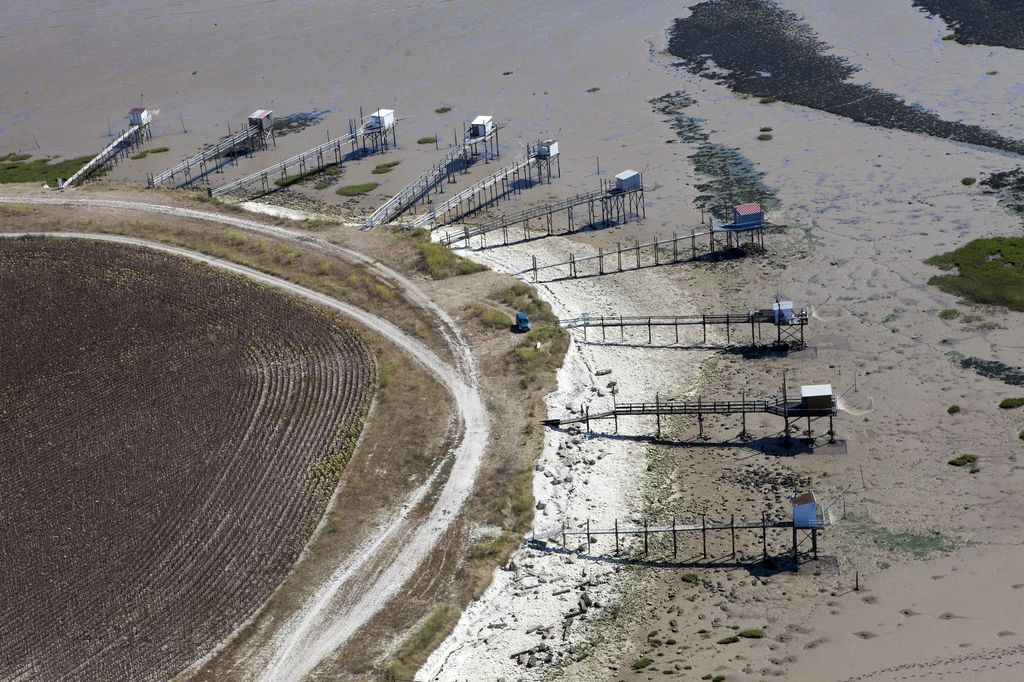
339,608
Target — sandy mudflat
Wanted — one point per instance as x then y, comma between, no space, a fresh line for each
865,205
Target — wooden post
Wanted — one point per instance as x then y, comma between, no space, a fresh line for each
588,536
704,533
645,536
563,534
616,537
657,413
534,269
732,531
814,543
673,537
764,538
796,557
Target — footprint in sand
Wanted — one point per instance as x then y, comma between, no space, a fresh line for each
948,616
1006,633
870,599
1017,586
909,612
938,577
865,634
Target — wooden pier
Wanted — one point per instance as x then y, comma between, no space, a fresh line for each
490,190
684,530
604,206
316,158
122,145
457,159
779,406
678,249
197,166
789,328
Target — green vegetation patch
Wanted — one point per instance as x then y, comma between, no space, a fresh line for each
430,139
357,190
491,317
689,577
594,89
433,631
442,110
1011,403
953,409
949,314
642,663
989,271
731,639
387,167
963,460
764,137
437,260
18,168
752,633
289,180
543,347
146,152
918,544
967,182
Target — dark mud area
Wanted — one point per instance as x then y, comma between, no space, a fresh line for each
981,22
293,123
757,48
992,369
730,178
1010,186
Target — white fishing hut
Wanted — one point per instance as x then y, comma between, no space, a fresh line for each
138,116
262,119
816,397
547,149
805,510
382,119
482,126
627,180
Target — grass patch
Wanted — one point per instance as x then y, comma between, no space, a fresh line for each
442,110
752,633
543,347
289,180
918,544
1011,403
989,271
949,314
491,317
731,639
963,460
1021,435
764,137
387,167
967,182
357,190
437,260
18,168
405,662
595,89
642,663
768,100
766,129
430,139
146,152
689,578
952,409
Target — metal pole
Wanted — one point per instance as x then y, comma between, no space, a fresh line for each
645,536
732,531
764,538
673,537
616,537
704,533
588,536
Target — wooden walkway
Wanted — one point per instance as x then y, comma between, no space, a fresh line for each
606,204
419,188
652,254
619,533
122,144
790,332
247,139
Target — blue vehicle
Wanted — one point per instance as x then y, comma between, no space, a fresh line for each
522,324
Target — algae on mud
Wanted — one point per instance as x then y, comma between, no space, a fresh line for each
780,58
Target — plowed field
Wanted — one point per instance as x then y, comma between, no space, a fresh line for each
170,438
